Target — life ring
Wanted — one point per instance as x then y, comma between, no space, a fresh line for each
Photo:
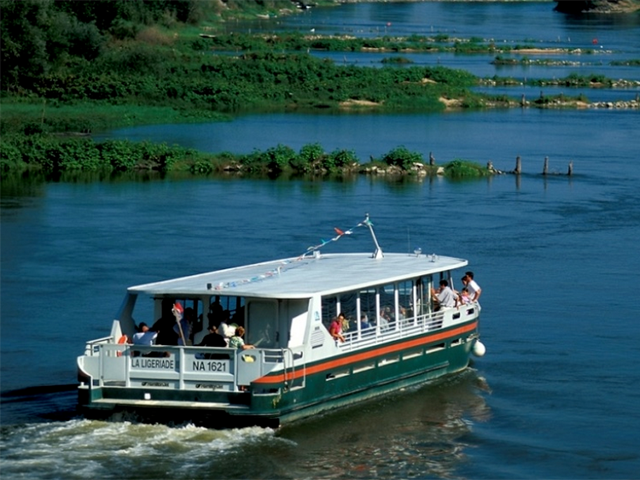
123,340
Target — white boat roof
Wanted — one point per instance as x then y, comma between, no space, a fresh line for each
303,277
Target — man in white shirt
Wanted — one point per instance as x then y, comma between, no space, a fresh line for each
474,288
144,336
444,295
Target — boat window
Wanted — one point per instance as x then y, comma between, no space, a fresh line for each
230,309
383,305
164,321
262,323
329,310
368,303
387,313
348,306
423,295
405,300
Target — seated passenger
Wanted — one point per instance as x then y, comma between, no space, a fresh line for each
213,339
237,341
335,329
384,322
364,322
444,296
144,336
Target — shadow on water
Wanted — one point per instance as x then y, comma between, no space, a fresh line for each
415,432
44,403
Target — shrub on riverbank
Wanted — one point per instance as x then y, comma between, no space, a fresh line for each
51,155
459,168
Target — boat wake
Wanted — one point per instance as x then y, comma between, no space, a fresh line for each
106,449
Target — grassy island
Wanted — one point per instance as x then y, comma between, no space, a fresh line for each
71,68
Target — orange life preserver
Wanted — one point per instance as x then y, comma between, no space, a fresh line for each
123,339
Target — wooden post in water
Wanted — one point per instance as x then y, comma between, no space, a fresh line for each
570,171
518,169
545,167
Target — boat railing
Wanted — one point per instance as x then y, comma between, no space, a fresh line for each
405,328
181,368
91,346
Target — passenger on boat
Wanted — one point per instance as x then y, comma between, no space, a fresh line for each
183,326
213,339
364,322
237,341
164,325
225,330
464,298
474,288
145,336
343,321
444,296
238,316
335,329
215,314
385,318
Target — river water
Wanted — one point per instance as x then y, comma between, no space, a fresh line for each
556,395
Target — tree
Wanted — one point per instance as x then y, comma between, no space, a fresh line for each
24,52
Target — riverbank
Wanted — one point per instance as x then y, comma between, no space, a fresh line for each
176,76
598,6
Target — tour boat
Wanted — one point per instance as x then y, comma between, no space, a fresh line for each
291,366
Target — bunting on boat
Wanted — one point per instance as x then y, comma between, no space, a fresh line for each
276,271
340,233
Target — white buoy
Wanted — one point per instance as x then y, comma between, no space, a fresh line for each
479,349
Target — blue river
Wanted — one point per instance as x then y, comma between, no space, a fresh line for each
555,396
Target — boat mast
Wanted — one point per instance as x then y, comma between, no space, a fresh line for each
377,254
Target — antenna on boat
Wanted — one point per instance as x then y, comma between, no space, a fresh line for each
378,252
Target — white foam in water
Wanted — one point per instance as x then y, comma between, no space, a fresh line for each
94,449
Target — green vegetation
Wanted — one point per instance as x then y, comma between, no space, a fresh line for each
575,80
396,60
628,63
459,168
52,155
73,67
296,42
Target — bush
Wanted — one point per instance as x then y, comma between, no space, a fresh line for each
463,169
119,154
340,159
403,158
277,159
308,159
10,156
